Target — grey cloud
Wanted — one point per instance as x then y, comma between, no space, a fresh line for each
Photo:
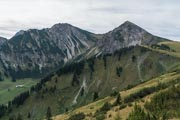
160,17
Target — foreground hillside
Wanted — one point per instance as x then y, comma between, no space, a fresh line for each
78,84
155,99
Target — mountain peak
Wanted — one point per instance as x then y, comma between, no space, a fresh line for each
61,25
126,35
129,25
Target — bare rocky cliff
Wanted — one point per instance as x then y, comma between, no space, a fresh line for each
36,52
126,35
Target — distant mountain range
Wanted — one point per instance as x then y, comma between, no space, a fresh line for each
34,53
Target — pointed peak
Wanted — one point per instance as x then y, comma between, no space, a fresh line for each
128,23
129,26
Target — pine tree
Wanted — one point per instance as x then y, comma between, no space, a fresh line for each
95,96
1,78
48,114
13,79
29,115
118,100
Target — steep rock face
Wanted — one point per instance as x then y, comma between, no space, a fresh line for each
128,34
34,53
39,51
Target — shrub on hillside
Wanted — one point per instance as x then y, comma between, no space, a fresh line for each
144,92
166,104
105,107
122,106
79,116
119,70
100,115
114,93
139,114
118,100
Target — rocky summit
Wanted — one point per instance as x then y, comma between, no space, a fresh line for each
126,35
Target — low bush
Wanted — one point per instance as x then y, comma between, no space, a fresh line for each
79,116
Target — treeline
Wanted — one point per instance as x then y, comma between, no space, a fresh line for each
123,51
146,91
69,68
16,102
162,47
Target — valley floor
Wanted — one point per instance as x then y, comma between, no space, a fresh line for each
9,89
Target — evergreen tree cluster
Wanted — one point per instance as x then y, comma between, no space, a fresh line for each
16,102
75,79
162,47
3,110
19,100
134,58
95,96
100,114
78,116
144,92
105,61
69,68
1,77
119,71
91,63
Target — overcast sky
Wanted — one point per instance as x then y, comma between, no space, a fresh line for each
160,17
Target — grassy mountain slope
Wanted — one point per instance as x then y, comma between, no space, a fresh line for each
123,110
169,94
98,77
8,89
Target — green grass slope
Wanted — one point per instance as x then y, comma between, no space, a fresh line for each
81,83
161,103
8,89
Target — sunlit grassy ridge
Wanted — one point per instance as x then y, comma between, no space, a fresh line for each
90,109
